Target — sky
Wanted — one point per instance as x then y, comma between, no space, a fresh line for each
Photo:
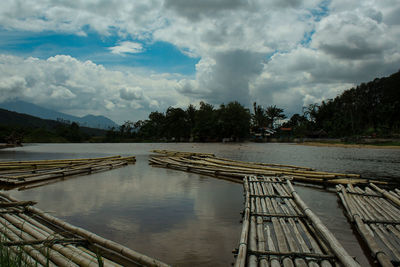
124,59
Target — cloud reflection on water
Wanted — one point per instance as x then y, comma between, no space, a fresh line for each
174,216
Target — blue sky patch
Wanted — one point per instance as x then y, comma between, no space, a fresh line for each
321,11
159,56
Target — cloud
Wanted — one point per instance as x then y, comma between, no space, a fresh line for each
127,47
194,10
349,35
130,93
11,87
79,87
286,53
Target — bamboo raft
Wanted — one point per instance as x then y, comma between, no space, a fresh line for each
48,241
280,230
376,214
22,173
235,170
181,153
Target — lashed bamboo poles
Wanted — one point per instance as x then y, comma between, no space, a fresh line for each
286,169
280,230
224,168
242,250
26,172
377,219
21,227
339,251
182,153
232,176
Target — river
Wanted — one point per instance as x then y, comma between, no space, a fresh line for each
187,219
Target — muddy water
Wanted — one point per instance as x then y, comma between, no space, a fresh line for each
187,219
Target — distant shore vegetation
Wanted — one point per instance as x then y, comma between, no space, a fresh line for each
368,110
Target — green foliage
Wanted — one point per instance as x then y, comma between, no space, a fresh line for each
13,258
369,109
259,118
203,124
233,121
273,115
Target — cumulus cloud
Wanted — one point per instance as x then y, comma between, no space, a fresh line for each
287,53
127,47
131,93
79,87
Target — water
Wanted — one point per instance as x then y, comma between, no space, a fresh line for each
187,219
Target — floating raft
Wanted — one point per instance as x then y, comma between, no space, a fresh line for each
280,230
181,153
235,170
20,173
376,215
48,241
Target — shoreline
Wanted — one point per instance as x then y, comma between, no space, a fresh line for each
323,144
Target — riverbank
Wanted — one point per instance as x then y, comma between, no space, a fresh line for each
389,145
8,146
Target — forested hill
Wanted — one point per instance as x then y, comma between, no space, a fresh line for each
33,129
371,108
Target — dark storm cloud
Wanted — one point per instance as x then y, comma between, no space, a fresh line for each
231,75
194,9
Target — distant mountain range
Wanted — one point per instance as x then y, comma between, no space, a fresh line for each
31,126
92,121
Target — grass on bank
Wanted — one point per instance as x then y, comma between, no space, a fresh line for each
13,258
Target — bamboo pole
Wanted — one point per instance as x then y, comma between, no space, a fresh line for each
69,254
365,232
252,259
274,261
291,171
336,247
60,174
48,232
32,251
261,170
267,164
194,164
181,153
55,160
54,256
108,244
386,194
242,250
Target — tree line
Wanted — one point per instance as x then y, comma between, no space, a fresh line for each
370,109
232,121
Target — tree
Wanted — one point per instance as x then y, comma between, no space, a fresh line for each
233,121
206,123
153,128
299,125
274,114
259,118
191,117
176,123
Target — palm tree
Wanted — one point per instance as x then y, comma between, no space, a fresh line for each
259,118
273,114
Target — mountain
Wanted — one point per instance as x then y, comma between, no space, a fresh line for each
11,119
92,121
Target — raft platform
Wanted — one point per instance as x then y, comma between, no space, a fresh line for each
20,174
235,170
376,215
280,230
48,241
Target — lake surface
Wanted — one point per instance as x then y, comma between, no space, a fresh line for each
187,219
